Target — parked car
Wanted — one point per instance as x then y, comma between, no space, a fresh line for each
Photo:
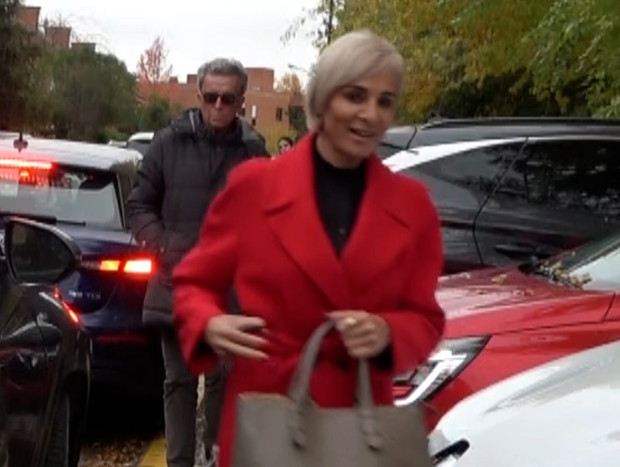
563,414
81,189
509,190
140,141
503,321
44,352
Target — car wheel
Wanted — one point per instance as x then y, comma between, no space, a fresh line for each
58,450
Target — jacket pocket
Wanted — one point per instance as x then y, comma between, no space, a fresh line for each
174,246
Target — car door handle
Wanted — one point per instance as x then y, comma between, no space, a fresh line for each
27,362
515,250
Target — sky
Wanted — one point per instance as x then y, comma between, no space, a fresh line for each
193,31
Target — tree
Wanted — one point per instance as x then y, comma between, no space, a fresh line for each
81,85
154,71
20,52
156,114
576,43
500,57
422,31
289,82
297,121
318,22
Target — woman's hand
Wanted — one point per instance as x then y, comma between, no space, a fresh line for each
365,335
236,335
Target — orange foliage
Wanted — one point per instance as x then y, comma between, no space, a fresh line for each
154,71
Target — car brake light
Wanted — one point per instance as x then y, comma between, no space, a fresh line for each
138,267
25,164
109,265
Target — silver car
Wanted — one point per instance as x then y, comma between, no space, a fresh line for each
562,414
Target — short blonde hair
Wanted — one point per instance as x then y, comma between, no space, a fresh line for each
349,58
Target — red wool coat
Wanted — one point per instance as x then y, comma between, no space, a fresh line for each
264,233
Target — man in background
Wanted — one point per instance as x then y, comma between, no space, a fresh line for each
185,166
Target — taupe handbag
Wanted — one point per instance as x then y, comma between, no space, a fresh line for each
279,431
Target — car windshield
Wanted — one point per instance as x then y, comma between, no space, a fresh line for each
139,145
593,266
65,194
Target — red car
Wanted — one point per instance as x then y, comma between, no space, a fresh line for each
504,321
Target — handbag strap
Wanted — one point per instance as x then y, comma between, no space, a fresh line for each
299,390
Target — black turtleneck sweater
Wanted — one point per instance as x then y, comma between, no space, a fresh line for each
338,196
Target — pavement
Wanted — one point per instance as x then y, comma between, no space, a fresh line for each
127,436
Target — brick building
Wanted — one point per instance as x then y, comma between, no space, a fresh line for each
59,36
29,16
267,109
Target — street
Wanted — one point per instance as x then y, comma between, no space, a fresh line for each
120,433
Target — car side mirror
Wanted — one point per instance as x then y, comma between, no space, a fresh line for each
38,253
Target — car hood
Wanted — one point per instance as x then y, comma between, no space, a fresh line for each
564,413
505,299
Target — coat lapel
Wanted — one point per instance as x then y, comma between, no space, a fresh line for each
293,216
382,232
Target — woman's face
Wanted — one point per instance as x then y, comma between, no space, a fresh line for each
357,116
283,146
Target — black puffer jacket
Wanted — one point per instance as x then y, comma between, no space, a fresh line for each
184,168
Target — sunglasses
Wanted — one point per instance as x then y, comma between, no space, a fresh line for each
227,98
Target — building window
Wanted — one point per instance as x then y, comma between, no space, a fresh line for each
242,111
254,113
279,114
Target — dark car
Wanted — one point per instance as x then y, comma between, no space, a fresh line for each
44,352
81,189
512,190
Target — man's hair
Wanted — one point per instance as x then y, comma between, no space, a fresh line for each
223,67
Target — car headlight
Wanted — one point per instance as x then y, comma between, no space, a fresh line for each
450,358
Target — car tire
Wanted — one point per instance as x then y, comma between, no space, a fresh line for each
59,444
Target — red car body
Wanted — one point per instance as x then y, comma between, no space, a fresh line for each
523,320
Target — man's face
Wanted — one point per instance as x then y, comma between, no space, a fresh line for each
220,100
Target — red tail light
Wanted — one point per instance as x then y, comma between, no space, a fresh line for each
25,172
135,267
138,266
25,164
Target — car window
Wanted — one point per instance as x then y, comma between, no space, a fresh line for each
567,175
466,176
394,140
68,194
139,145
386,150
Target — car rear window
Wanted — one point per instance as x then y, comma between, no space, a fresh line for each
139,145
395,140
68,194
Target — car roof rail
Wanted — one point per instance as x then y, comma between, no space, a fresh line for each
501,121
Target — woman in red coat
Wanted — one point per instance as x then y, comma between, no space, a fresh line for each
327,232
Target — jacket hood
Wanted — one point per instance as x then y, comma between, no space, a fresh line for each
189,123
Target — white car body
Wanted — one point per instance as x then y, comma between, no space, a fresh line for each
408,158
562,414
145,136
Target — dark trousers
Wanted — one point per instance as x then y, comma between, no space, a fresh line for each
180,398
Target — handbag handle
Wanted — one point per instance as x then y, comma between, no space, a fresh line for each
299,391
